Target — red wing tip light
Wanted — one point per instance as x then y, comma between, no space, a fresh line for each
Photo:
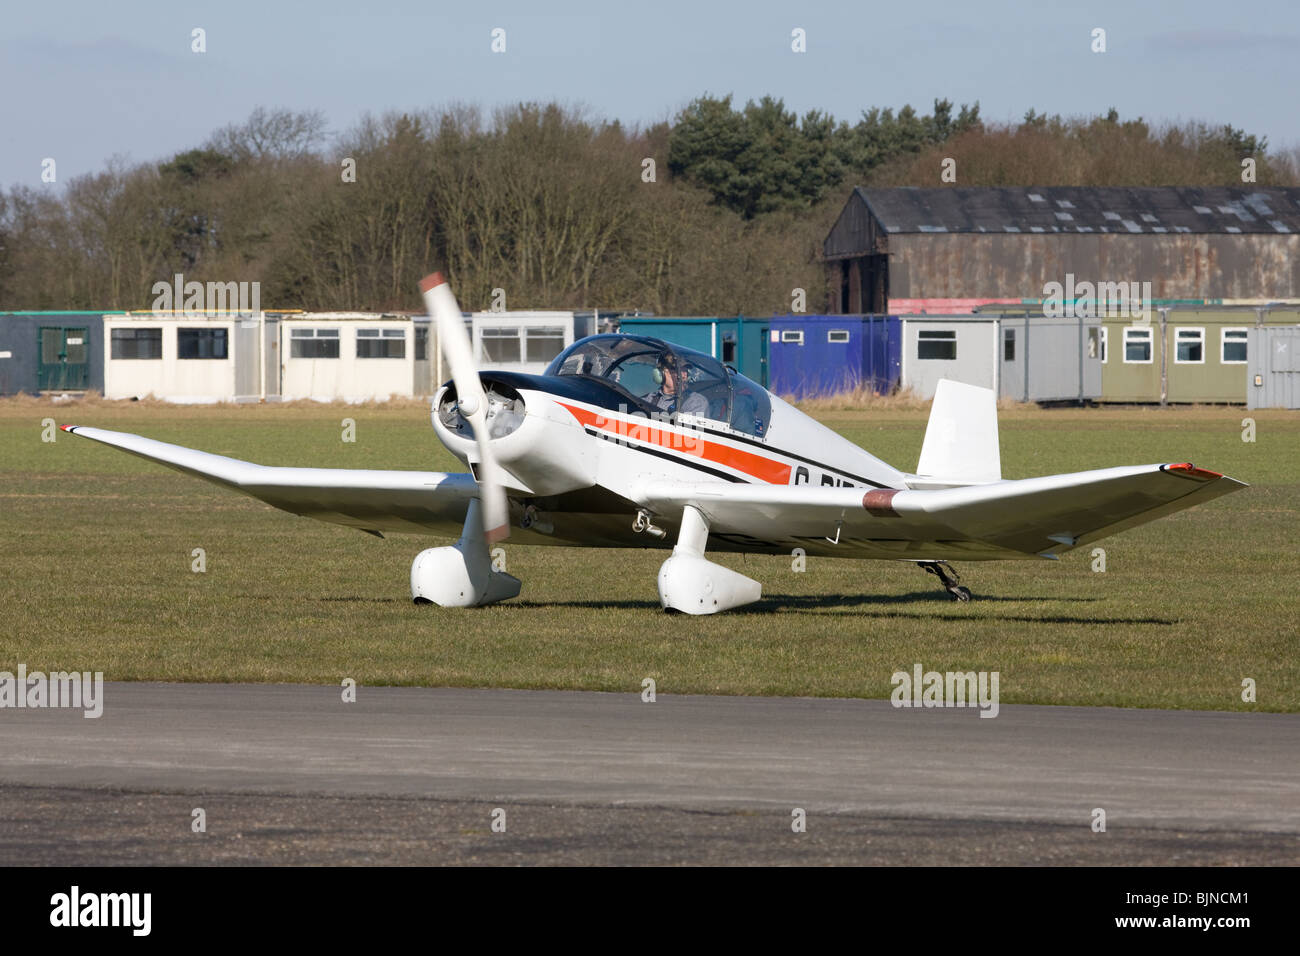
432,281
1187,470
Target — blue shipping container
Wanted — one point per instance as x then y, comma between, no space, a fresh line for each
817,355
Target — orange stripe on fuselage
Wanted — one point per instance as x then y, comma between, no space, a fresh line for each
690,443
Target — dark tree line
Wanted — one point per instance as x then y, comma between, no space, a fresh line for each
558,209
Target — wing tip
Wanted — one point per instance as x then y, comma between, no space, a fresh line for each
70,429
1186,469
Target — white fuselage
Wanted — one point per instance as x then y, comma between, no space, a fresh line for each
578,465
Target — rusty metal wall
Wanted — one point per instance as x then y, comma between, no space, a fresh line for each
1177,266
854,233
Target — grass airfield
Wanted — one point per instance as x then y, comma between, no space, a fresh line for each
96,554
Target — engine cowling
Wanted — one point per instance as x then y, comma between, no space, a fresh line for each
539,446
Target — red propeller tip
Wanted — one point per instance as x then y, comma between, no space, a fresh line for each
432,281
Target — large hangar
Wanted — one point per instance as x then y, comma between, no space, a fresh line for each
891,247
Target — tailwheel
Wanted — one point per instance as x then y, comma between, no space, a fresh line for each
948,577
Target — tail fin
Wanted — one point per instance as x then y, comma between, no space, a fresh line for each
961,440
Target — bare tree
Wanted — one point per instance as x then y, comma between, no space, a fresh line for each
275,134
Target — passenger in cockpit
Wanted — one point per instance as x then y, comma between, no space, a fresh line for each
671,396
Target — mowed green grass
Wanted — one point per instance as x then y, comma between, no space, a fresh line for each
95,557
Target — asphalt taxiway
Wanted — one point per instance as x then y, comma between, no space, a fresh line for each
295,774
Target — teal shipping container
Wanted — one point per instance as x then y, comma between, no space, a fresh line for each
737,341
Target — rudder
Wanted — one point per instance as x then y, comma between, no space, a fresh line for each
961,439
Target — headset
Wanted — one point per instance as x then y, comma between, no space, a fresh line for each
665,361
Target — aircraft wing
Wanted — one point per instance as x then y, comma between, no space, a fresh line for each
1022,518
422,502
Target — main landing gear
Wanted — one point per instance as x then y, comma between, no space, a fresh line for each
948,577
692,584
461,575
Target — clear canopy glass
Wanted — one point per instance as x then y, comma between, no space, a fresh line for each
668,380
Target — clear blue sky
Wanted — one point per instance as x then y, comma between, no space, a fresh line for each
82,82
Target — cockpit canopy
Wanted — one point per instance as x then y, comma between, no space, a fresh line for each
661,379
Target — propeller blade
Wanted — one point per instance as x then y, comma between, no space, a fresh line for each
442,307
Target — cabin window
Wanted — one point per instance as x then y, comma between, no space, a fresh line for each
936,344
381,343
314,343
137,343
201,343
728,348
1137,345
751,409
1097,344
502,346
543,343
1232,346
1189,346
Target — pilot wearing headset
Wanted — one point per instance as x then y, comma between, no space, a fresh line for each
670,376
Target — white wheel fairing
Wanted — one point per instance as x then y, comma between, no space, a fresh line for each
690,583
461,575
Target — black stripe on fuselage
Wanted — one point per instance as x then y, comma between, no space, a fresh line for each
596,433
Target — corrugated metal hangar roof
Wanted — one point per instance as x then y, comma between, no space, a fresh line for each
1073,209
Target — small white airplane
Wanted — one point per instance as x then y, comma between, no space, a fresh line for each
627,441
